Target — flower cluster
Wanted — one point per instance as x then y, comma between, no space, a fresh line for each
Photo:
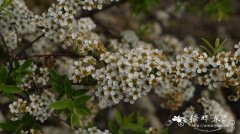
38,106
131,74
208,70
127,75
60,24
19,106
92,130
83,68
35,76
88,46
19,22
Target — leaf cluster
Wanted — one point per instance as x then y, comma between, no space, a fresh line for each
71,101
213,49
133,123
5,4
143,6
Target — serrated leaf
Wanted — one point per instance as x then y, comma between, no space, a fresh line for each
118,117
75,119
82,99
68,88
207,43
131,126
58,88
54,75
10,89
62,104
7,127
206,50
217,42
26,64
82,109
80,92
112,127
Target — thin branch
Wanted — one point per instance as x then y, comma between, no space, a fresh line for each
6,47
4,43
48,55
30,44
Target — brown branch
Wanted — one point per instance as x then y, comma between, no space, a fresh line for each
48,55
6,47
4,44
30,44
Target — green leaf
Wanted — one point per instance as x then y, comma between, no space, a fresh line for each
5,4
26,64
213,49
141,120
131,126
112,127
75,119
57,86
3,74
54,75
80,92
82,109
62,104
143,6
207,43
120,131
165,131
89,80
10,89
7,127
68,88
82,99
118,117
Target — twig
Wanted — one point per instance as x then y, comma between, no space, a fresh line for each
20,96
47,55
4,43
6,47
30,44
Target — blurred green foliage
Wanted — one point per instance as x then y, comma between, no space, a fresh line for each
213,49
5,4
218,9
143,5
133,123
70,101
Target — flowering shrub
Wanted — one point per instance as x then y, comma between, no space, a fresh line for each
63,68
